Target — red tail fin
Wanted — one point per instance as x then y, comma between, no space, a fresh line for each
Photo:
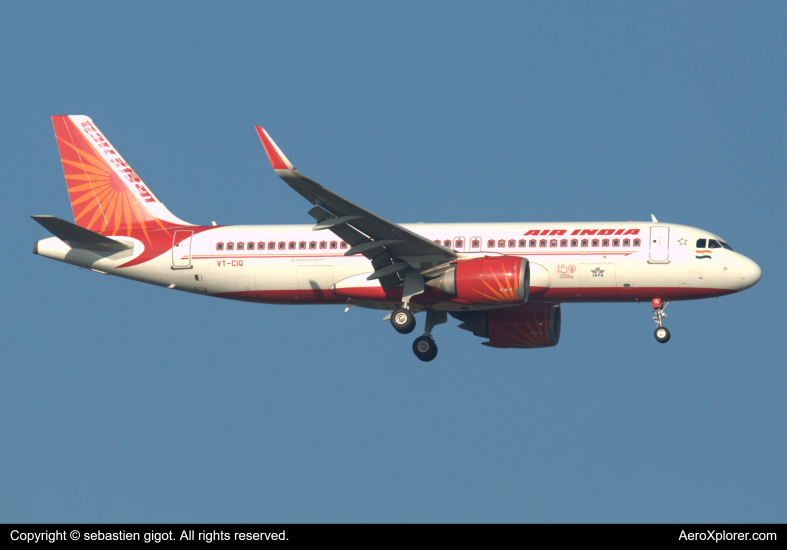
107,196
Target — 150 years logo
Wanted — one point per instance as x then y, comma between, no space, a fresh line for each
565,271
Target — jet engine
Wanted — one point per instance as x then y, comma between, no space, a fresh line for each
527,326
487,280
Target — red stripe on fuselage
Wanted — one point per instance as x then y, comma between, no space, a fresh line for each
432,295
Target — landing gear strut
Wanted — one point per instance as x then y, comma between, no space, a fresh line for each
424,347
662,333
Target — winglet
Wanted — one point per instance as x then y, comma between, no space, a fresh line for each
277,158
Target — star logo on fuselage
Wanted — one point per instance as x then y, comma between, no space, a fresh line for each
683,242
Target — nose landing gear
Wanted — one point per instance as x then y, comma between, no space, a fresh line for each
662,333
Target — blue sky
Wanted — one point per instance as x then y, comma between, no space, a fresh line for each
125,402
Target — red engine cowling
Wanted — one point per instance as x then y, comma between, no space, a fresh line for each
527,326
487,280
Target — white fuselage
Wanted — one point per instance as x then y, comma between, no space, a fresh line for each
570,262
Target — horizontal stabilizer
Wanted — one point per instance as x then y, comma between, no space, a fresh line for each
79,237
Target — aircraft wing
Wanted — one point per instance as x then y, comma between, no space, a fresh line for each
391,248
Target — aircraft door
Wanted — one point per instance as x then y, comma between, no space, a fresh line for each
460,244
181,249
659,244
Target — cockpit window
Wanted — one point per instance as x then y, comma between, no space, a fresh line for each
725,245
712,243
700,243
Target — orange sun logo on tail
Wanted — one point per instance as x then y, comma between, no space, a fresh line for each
106,195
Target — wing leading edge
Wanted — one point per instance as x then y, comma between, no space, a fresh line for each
392,249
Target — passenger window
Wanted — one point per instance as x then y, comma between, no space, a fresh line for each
701,243
563,243
250,246
281,245
512,243
501,243
475,243
460,243
333,245
522,243
553,243
636,242
615,242
532,243
490,243
574,242
302,245
240,246
291,246
230,246
260,246
343,245
313,245
584,242
447,244
323,245
594,242
626,242
219,246
713,244
542,243
605,242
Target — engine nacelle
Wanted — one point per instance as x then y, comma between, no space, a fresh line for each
487,280
527,326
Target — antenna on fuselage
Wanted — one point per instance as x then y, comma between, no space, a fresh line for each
652,217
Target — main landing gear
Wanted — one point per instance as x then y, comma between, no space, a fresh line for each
424,346
661,334
403,321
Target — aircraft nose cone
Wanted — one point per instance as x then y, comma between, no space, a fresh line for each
750,273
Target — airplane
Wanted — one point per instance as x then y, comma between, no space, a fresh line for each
504,282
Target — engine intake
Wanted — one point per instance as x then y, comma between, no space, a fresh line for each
487,280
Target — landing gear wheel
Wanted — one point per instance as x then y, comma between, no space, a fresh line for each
425,348
403,321
662,335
